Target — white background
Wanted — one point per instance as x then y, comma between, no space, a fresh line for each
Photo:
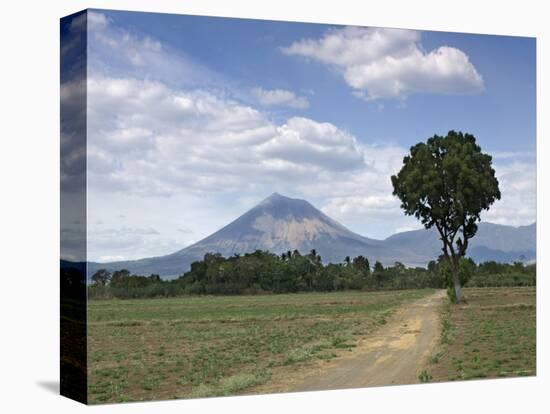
29,204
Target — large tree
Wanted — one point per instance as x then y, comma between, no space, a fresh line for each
101,277
447,182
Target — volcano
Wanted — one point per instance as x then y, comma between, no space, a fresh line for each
277,224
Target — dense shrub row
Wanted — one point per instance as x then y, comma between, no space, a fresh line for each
264,272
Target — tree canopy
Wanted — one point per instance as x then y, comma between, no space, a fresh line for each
447,182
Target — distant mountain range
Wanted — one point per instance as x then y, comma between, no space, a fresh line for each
280,223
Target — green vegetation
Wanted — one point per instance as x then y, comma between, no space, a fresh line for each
262,272
197,346
493,335
493,274
447,182
424,376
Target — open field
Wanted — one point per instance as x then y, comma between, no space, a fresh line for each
493,335
224,345
207,346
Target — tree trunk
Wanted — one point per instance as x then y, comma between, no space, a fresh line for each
458,288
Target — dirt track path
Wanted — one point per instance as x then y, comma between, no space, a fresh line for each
396,353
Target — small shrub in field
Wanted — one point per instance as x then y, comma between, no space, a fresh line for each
424,376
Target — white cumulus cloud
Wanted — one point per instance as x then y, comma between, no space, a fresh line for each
391,63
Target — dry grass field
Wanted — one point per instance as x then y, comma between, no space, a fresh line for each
222,345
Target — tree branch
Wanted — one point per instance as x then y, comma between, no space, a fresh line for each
443,238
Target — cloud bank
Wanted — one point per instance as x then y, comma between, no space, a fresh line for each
147,138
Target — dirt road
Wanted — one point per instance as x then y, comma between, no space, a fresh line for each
396,353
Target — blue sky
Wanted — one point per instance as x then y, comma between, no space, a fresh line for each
193,120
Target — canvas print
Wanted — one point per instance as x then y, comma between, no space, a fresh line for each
253,206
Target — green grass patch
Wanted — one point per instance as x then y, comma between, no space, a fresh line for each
493,335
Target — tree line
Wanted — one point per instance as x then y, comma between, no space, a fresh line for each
265,272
